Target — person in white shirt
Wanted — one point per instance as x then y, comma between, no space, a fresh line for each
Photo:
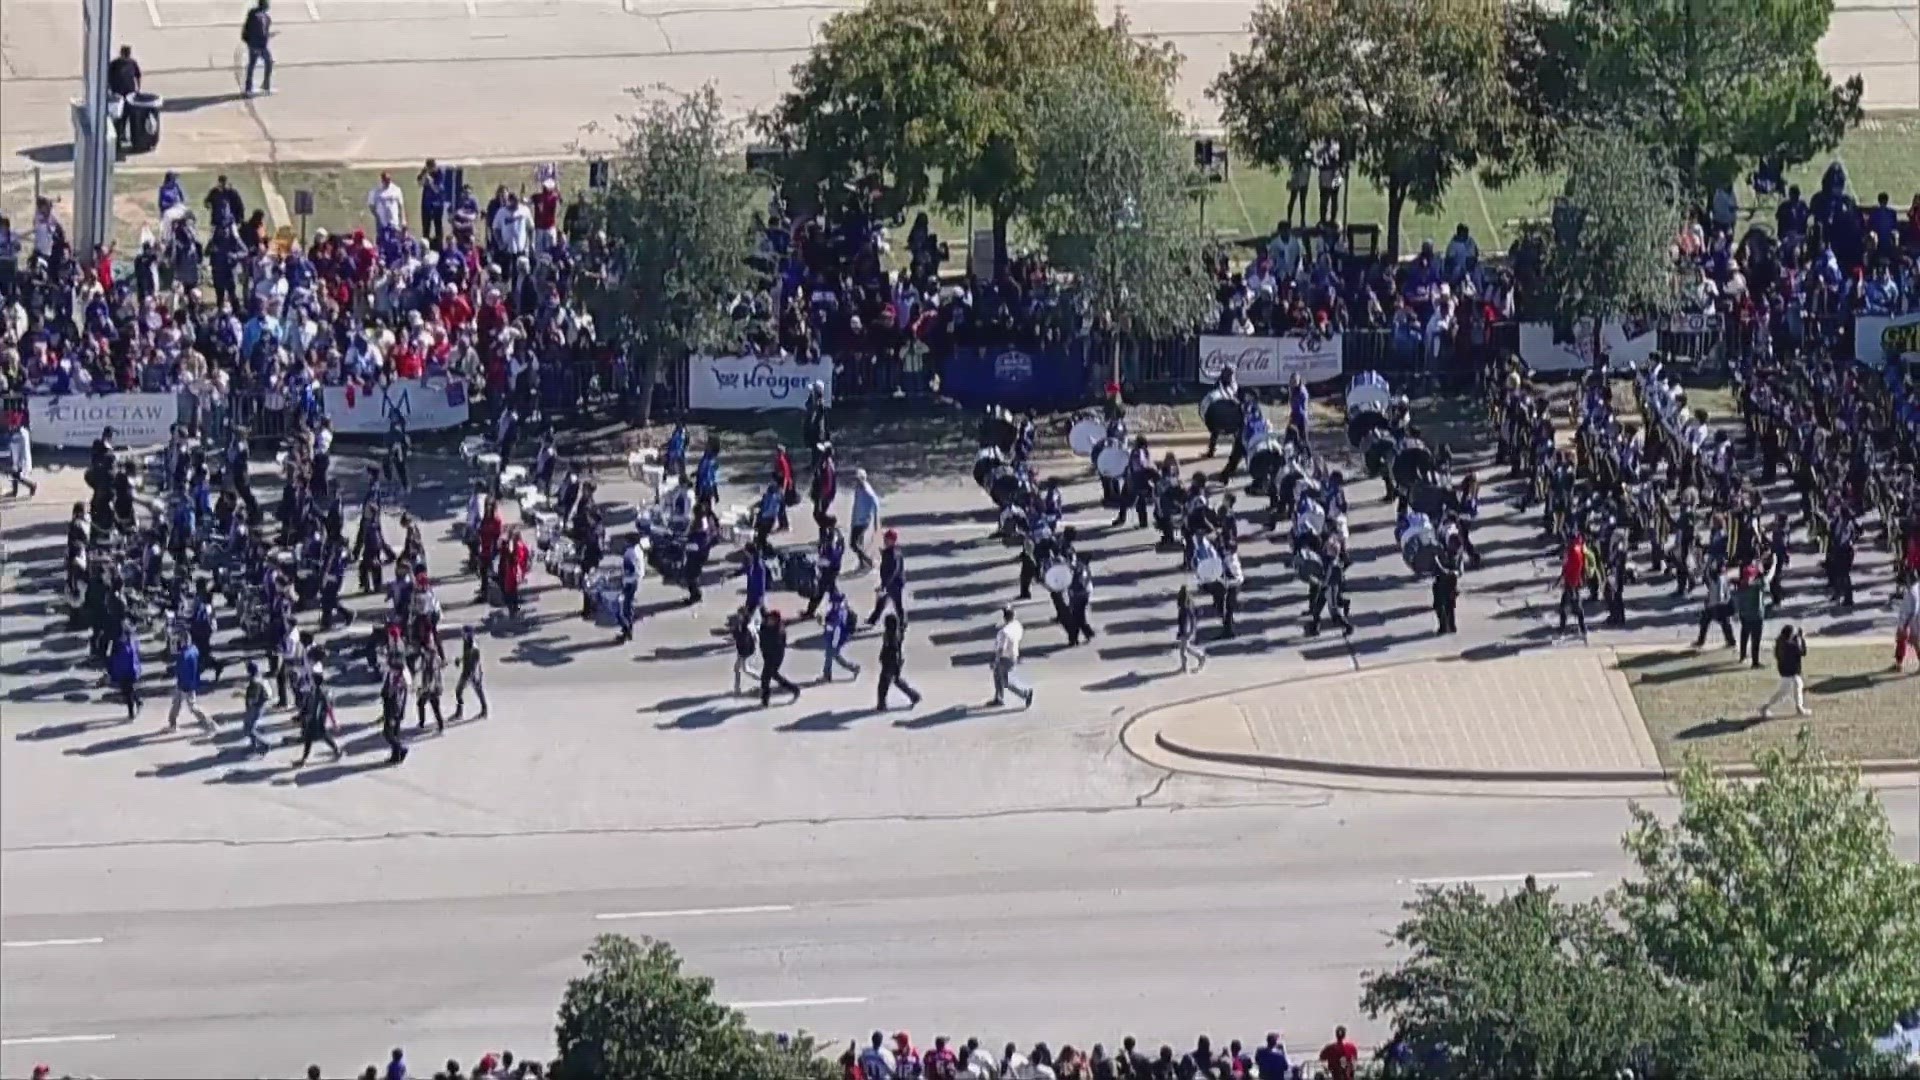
388,204
1286,251
513,227
1006,655
20,467
633,566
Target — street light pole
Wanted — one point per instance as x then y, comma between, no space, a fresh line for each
93,139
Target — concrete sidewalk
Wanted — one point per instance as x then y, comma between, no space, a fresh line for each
1563,721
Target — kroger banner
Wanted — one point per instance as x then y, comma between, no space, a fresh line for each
1271,361
1879,338
76,420
754,383
425,406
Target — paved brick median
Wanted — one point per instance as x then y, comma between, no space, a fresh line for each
1568,712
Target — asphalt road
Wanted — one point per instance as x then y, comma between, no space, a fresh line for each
993,872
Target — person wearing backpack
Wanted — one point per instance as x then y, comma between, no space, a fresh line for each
1789,656
256,33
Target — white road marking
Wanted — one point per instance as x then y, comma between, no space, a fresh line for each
50,942
799,1003
691,913
313,11
153,15
473,9
1499,879
49,1040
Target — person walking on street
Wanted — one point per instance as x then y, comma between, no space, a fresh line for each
394,693
428,690
256,33
1906,628
20,459
866,517
743,632
1186,623
471,674
317,721
1750,603
1716,607
1573,577
1789,654
773,653
828,559
1446,592
254,702
893,580
123,667
893,663
633,566
186,688
1006,656
837,630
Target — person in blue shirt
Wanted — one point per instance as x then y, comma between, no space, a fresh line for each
866,517
838,630
767,514
123,667
1271,1059
171,193
673,457
706,484
758,577
1297,410
433,205
186,688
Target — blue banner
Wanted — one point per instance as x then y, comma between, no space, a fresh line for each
1054,379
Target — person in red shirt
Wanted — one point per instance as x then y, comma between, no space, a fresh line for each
490,529
546,215
514,559
783,475
1573,577
1340,1058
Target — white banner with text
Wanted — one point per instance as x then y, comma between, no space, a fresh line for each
1270,361
754,383
137,420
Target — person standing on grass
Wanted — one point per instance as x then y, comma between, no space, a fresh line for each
1789,654
1750,603
256,33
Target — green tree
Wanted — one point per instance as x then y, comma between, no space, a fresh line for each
1782,898
678,220
1722,84
636,1014
1610,248
1415,94
1525,986
934,97
1770,931
1110,196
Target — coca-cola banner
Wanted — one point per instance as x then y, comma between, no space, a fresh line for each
1271,361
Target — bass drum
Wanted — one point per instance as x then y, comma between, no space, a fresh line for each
1379,453
1412,464
1432,500
1086,434
1110,461
1294,482
1220,412
1057,574
1368,392
1420,549
1364,425
1004,486
989,461
1265,460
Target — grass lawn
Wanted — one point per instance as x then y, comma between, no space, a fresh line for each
136,200
1707,704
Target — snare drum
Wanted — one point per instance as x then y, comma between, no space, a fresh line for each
1209,571
1110,461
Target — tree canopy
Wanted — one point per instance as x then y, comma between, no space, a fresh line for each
1770,931
1414,94
935,97
636,1014
1721,84
678,218
1110,195
1611,247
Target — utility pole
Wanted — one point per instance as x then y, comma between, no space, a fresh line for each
93,137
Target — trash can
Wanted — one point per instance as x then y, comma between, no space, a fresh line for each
143,121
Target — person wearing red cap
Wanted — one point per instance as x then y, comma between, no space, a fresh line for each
1750,603
893,580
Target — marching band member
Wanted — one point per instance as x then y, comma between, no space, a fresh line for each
1446,591
1469,513
706,484
1186,623
1225,382
633,567
1329,593
1297,411
1253,424
1139,481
